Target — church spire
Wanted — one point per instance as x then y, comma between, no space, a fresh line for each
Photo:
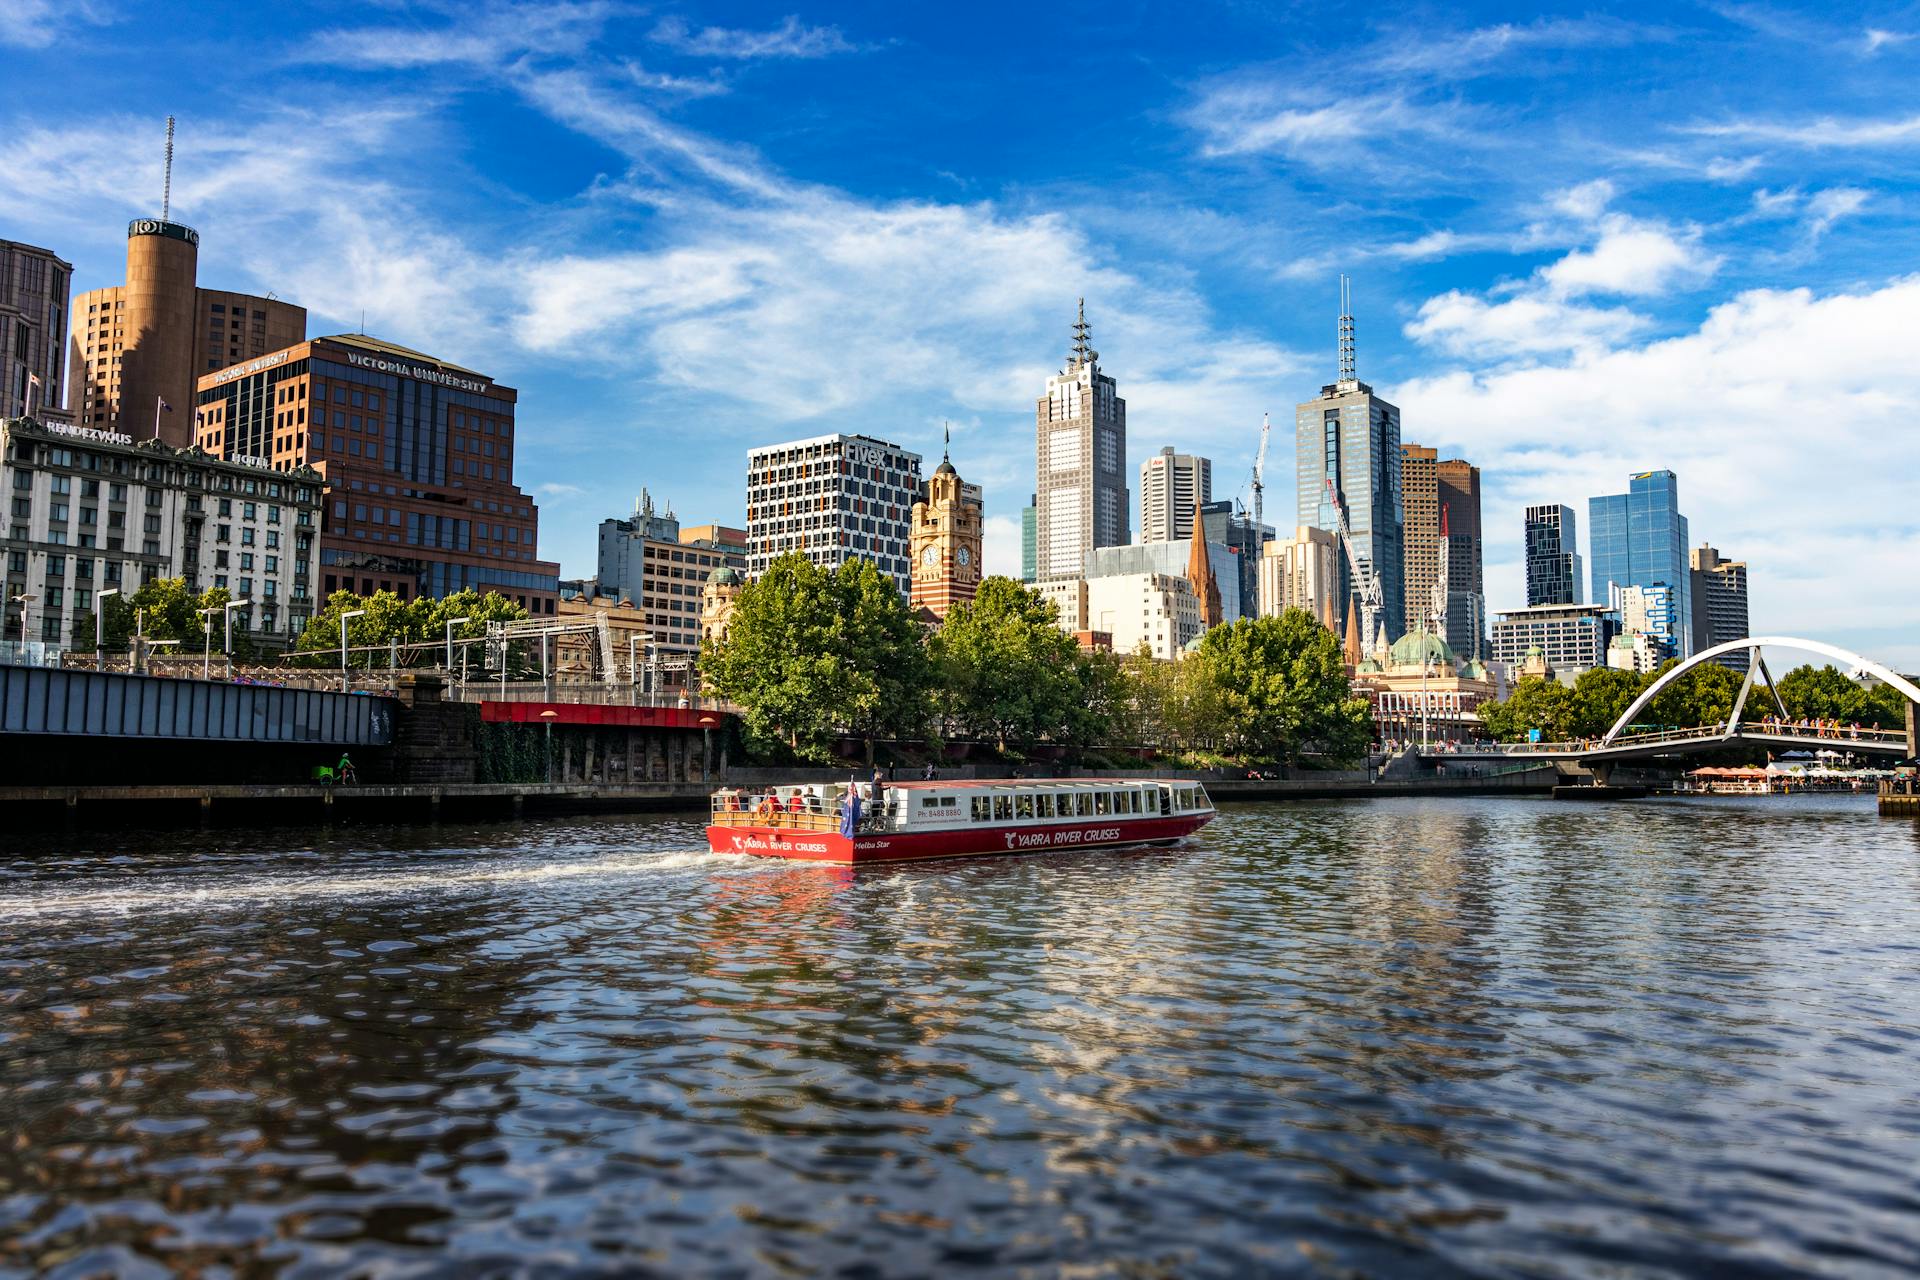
1083,352
1206,588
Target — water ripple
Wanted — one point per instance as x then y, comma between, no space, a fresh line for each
1446,1037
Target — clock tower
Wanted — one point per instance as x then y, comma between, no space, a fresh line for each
946,542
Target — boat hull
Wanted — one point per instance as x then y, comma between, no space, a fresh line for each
959,842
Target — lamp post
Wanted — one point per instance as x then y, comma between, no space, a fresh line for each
227,619
100,627
633,669
451,624
351,613
206,643
547,717
23,600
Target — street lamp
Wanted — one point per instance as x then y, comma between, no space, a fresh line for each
206,643
227,610
451,624
351,613
23,601
633,668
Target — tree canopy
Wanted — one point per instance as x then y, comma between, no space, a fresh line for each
1279,690
1006,672
388,619
811,654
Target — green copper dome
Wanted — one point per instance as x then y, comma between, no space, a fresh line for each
726,575
1420,647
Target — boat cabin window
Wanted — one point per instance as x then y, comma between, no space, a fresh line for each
1102,803
929,802
1044,802
1002,807
1023,806
1083,804
982,807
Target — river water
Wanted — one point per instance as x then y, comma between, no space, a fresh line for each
1433,1037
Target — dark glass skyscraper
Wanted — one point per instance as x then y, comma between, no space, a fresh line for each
1553,555
1639,539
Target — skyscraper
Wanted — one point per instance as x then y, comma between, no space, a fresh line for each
832,498
1457,483
33,331
140,348
1351,436
1235,529
1029,537
1553,556
1081,454
1639,539
1719,590
1171,486
1420,506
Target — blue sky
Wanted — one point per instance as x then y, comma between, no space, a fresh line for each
1583,242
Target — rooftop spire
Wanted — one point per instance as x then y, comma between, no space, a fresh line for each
166,186
1083,352
1347,365
946,440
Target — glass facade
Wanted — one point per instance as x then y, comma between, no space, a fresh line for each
1553,555
1639,539
1353,436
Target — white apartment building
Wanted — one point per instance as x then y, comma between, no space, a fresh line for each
833,498
90,511
1172,487
1158,610
1301,572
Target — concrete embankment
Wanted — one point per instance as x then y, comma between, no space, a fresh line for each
309,804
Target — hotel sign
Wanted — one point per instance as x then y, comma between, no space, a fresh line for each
155,227
253,366
418,372
248,460
89,433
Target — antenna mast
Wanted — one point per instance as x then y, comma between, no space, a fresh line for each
166,189
1347,366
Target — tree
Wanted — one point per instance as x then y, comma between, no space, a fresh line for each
1535,703
1282,689
1601,696
1704,695
1826,693
810,653
1005,670
418,626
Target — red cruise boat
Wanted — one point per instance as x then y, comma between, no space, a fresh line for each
918,820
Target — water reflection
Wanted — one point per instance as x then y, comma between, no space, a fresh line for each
1479,1036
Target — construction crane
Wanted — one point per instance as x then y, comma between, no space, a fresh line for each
1366,585
1259,480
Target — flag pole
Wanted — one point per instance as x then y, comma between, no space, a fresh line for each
157,402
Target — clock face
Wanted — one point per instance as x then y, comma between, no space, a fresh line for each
930,557
966,556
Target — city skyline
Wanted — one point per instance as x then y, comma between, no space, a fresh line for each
1623,300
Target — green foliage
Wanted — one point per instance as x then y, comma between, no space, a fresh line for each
512,753
1704,695
811,653
165,610
1279,690
419,622
1007,672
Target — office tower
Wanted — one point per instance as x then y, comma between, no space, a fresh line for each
1171,486
832,498
1649,611
418,459
1081,451
1301,572
33,331
1420,503
1235,530
1457,483
946,542
1029,528
90,511
1719,589
1639,539
1553,556
661,567
1351,436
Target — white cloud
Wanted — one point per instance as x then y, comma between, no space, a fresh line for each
1463,324
1721,169
1776,413
1252,117
1822,134
1828,207
1877,39
788,40
37,24
1631,257
1586,201
481,36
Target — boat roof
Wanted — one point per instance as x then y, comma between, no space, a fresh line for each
986,784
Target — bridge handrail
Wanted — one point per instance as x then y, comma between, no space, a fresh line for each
1583,746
